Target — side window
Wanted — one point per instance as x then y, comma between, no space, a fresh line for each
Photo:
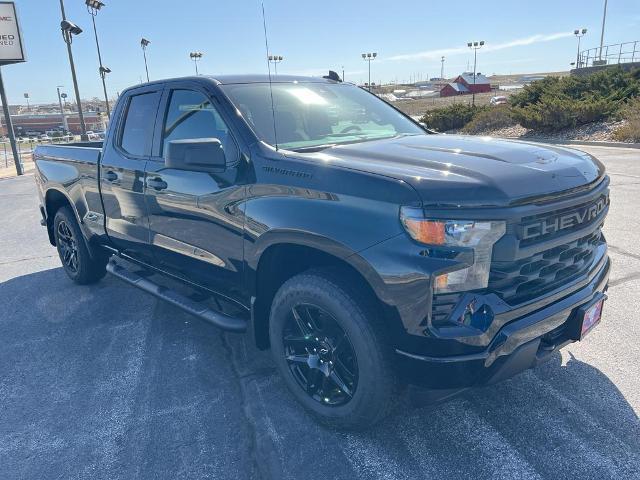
137,128
190,114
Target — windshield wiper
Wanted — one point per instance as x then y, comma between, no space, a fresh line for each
313,148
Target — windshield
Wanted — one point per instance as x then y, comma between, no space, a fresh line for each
312,115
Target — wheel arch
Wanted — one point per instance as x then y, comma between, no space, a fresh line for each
54,200
285,256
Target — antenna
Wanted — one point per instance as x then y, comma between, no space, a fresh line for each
266,46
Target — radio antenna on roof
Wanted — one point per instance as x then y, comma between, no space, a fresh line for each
266,46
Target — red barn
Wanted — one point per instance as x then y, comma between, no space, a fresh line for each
464,84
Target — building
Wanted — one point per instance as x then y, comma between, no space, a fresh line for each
464,84
44,122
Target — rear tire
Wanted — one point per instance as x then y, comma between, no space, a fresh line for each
339,367
78,263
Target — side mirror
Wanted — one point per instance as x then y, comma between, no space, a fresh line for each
204,154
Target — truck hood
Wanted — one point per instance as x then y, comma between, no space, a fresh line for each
464,170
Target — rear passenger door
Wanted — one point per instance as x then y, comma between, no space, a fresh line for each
196,211
122,166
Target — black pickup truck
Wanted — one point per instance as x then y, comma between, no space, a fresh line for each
364,250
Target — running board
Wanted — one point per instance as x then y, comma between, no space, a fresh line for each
220,320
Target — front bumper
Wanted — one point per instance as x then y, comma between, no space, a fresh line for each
520,344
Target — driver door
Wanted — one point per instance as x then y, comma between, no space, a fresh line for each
196,215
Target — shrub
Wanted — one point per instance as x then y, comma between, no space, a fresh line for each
450,117
630,131
490,119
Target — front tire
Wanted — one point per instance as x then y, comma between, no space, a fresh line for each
327,344
76,260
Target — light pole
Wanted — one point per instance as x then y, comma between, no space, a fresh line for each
144,43
26,96
442,68
195,56
93,6
579,33
68,31
64,117
275,59
475,46
368,57
604,18
343,73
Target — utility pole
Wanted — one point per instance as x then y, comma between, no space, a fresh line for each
144,43
64,117
368,57
93,6
604,18
68,31
275,59
475,46
10,132
579,33
195,56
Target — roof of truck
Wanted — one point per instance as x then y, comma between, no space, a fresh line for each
264,78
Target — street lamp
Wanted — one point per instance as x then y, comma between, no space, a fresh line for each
442,68
144,43
368,57
195,56
93,6
275,59
64,117
475,46
68,30
579,33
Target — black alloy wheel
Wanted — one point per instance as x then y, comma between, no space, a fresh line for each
319,355
68,246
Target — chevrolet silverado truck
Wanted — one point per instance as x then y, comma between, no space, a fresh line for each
365,251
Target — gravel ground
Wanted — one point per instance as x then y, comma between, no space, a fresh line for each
593,132
107,382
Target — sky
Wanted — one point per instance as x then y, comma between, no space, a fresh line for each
312,36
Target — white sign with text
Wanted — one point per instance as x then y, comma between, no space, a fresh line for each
10,42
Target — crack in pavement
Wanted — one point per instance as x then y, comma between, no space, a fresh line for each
253,431
26,259
621,280
622,251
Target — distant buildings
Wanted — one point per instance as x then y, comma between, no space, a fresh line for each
465,84
44,122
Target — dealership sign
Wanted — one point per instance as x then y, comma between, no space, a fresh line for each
11,50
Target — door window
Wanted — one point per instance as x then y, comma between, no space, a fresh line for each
137,129
190,115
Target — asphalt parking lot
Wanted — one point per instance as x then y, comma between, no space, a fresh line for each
107,382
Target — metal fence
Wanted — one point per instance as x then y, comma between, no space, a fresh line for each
26,147
614,54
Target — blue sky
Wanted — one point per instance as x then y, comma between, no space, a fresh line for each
313,36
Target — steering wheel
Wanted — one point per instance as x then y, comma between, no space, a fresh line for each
351,128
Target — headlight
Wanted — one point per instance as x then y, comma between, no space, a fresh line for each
479,236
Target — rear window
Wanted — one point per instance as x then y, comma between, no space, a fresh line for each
137,129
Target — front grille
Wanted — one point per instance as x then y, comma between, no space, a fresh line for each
546,226
528,278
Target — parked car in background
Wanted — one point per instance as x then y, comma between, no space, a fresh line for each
498,100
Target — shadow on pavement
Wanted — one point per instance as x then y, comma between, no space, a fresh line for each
106,382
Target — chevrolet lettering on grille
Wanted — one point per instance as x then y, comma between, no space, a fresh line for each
569,220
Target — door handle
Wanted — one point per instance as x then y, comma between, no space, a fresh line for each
111,176
156,183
